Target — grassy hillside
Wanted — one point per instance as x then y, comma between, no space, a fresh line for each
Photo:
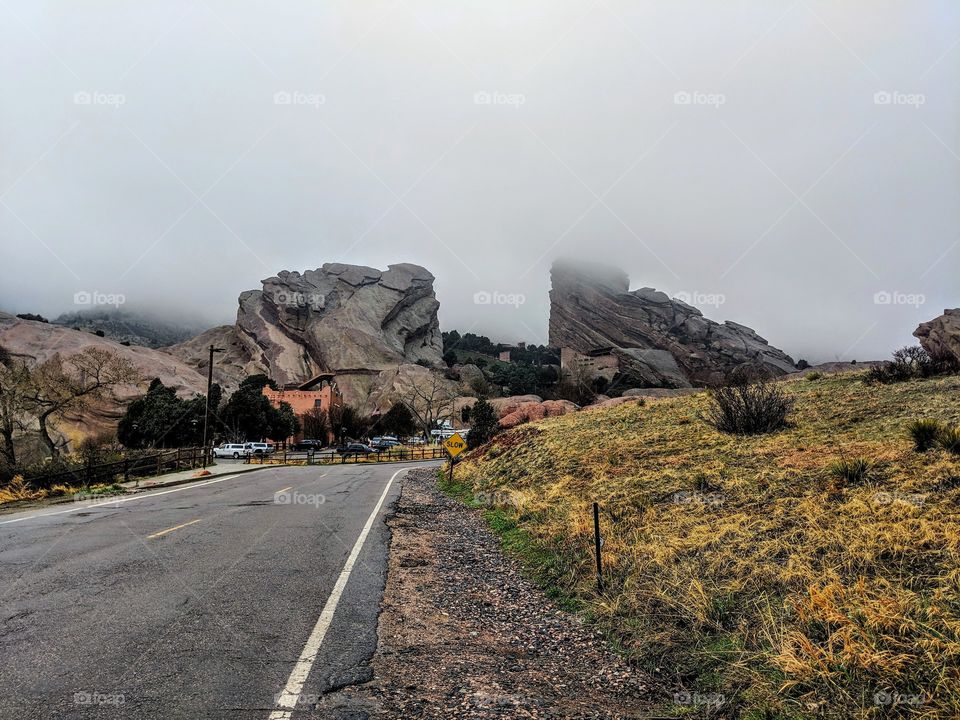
740,570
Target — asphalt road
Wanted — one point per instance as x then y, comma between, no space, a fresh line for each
206,600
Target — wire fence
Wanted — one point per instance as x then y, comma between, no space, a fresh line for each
330,457
153,464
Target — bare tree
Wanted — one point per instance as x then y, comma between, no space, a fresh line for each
316,424
15,388
60,385
430,401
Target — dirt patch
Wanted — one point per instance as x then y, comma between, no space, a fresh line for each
464,635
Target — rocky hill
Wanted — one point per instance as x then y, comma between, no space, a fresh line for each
656,340
363,324
38,341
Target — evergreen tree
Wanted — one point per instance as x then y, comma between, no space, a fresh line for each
485,424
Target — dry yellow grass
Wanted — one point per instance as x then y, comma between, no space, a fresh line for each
739,566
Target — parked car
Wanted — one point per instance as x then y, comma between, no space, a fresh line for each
384,443
234,450
258,448
308,445
355,449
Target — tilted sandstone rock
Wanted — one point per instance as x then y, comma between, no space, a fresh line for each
941,336
656,341
354,321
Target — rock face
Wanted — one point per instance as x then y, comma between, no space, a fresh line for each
658,341
941,336
355,321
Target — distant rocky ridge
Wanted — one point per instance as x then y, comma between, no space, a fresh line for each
367,326
130,326
651,339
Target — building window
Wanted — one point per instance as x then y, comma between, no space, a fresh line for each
317,403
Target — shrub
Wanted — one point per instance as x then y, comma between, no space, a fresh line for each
849,472
924,433
948,437
815,375
750,408
909,363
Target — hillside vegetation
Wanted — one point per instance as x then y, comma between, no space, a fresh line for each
754,576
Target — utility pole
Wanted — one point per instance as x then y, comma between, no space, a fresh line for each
206,409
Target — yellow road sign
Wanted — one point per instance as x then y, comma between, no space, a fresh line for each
455,444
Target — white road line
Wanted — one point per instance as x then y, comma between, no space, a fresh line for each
106,503
290,696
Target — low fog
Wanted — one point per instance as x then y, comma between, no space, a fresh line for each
792,166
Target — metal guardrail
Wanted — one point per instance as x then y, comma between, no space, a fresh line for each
329,457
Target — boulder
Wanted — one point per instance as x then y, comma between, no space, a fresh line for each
470,375
506,405
941,336
658,341
531,411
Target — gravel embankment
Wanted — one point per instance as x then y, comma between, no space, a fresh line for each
462,634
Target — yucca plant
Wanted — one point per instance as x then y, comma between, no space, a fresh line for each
925,432
948,437
849,472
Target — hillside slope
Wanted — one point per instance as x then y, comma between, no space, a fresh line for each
739,571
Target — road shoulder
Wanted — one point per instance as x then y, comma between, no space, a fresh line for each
463,634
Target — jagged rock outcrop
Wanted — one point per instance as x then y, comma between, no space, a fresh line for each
941,336
657,341
352,320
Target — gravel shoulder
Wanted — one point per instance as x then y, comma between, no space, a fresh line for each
462,634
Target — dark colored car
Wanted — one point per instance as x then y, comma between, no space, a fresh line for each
308,445
355,449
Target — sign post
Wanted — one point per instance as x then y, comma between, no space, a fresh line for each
454,445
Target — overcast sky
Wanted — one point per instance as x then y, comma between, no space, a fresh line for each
792,166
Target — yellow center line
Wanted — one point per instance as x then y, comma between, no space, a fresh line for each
170,530
284,490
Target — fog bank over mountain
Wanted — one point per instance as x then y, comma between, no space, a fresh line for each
794,167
